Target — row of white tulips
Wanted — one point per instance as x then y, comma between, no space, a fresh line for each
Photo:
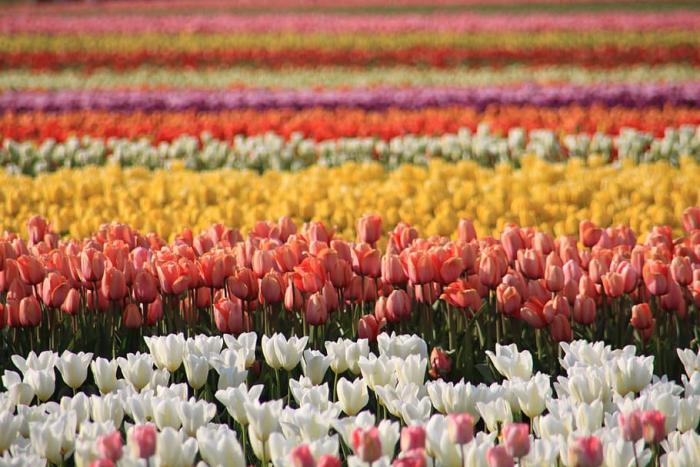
171,423
272,151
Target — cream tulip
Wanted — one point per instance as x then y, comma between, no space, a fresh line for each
352,396
104,372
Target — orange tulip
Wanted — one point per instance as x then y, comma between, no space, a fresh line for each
30,269
54,290
29,312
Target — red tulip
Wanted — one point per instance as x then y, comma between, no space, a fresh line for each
54,290
656,277
272,288
392,270
367,444
412,437
92,265
155,312
144,439
460,428
417,266
554,278
301,456
228,316
497,456
516,439
144,287
586,451
113,284
508,299
589,234
642,317
398,304
631,425
460,295
465,231
368,328
293,300
653,426
681,270
560,329
316,310
440,363
584,310
341,274
366,261
531,264
613,284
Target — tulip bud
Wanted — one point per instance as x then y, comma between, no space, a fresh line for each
465,231
497,456
412,437
584,310
560,329
272,288
656,277
653,426
516,439
144,287
155,312
293,300
392,270
110,446
316,310
641,316
369,229
367,444
631,425
144,440
586,451
460,428
554,278
132,317
508,299
440,363
398,304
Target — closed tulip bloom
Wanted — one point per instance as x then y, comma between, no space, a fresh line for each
31,270
352,396
613,284
272,288
631,425
110,446
73,368
137,369
92,265
29,312
554,278
392,270
516,439
440,363
586,451
330,295
54,290
681,270
144,287
589,233
228,316
398,304
316,310
629,276
513,241
367,444
489,272
368,328
366,261
531,263
104,372
584,310
642,317
418,266
596,270
293,300
300,456
155,312
369,229
132,317
508,299
656,277
340,274
71,304
143,439
465,231
412,437
172,279
315,364
691,219
460,428
498,456
653,426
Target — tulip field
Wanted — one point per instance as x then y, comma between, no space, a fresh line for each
315,233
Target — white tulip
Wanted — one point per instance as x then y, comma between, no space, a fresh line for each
690,360
584,353
9,428
174,451
107,407
195,414
20,393
314,365
585,384
461,397
495,414
167,351
43,382
589,417
551,426
688,413
29,414
345,354
263,418
244,344
204,346
620,453
104,373
54,438
401,346
411,370
137,369
219,446
80,404
235,398
46,360
510,363
231,377
73,368
389,435
165,413
630,374
140,407
196,370
691,386
533,394
159,378
306,423
352,397
378,371
415,412
305,393
542,452
229,359
288,352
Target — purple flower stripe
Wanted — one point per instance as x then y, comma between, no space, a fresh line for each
625,95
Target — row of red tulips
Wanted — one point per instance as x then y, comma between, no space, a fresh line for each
526,287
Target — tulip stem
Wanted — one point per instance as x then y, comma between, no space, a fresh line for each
335,386
277,380
634,451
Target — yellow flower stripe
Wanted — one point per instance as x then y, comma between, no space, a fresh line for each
272,41
553,197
